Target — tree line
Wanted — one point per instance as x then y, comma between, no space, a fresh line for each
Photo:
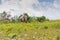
5,17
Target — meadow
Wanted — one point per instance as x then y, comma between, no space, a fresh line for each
48,30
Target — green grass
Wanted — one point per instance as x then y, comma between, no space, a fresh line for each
48,30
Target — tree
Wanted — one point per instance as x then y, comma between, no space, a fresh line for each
41,19
26,14
15,19
8,15
4,15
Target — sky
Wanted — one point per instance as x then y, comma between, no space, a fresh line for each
0,1
48,8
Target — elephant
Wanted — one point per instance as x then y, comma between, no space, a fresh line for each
23,18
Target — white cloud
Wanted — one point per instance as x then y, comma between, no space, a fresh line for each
57,4
17,7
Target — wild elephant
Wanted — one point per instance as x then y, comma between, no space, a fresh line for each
23,18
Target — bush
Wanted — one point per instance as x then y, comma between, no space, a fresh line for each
12,35
58,38
45,27
41,19
31,19
4,21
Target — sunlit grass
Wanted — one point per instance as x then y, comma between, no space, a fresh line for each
48,30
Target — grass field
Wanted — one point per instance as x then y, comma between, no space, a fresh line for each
49,30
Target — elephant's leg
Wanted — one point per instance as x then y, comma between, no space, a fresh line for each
25,20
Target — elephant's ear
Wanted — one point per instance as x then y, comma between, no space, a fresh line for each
21,17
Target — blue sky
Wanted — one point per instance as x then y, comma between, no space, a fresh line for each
0,1
51,1
48,8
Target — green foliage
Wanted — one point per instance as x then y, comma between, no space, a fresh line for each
26,14
45,27
15,19
29,19
30,30
12,35
41,19
4,15
4,21
58,38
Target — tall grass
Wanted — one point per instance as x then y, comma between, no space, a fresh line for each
45,28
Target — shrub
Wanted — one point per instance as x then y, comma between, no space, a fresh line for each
58,38
45,27
41,19
4,21
12,35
